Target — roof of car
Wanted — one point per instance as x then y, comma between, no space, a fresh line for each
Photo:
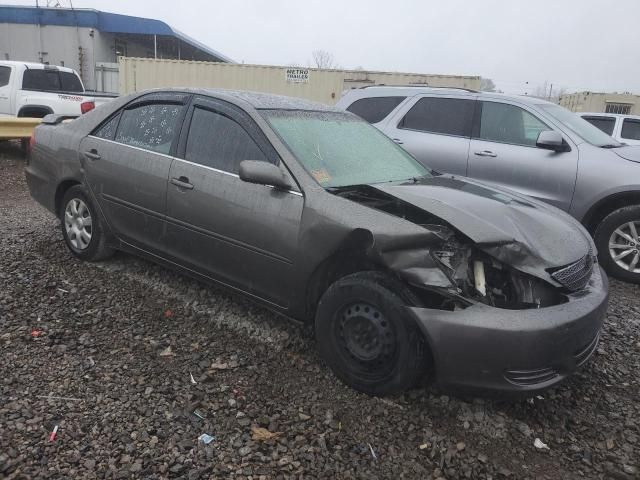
264,101
411,90
35,66
600,114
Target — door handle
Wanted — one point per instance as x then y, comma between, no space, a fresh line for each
398,141
92,154
486,153
182,182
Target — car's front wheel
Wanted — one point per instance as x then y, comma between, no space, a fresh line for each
366,335
82,228
618,241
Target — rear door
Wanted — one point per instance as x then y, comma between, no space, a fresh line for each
242,234
503,153
6,96
436,130
127,161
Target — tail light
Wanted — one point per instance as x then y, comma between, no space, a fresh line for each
87,106
32,142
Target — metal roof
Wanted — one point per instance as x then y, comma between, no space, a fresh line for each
101,21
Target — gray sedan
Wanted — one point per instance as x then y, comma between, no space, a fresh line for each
320,217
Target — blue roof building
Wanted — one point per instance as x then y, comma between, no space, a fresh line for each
90,41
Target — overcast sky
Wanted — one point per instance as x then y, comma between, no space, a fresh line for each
574,44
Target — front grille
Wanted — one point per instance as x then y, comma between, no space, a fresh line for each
526,378
584,353
575,277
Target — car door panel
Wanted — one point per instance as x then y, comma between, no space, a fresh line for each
126,163
431,144
242,234
507,157
130,186
6,95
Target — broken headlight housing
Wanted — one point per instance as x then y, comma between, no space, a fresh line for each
481,278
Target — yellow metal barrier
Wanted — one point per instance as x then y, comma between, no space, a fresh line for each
14,127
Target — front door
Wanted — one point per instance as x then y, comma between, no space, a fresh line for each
244,235
127,161
436,130
503,153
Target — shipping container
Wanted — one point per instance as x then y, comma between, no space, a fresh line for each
320,85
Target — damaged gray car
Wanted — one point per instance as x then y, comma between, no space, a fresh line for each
320,217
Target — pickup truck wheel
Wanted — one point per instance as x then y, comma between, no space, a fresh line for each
618,241
366,335
82,227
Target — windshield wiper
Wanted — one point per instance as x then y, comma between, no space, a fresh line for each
611,145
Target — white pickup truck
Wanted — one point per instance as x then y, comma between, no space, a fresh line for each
36,90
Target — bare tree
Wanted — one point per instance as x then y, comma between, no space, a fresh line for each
541,91
323,59
557,94
487,85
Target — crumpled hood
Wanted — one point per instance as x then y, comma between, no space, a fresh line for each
517,230
630,152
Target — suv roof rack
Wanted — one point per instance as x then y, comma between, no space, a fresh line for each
421,85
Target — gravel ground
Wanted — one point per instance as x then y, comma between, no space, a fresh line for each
117,346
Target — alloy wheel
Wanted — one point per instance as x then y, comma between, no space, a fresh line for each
78,223
624,246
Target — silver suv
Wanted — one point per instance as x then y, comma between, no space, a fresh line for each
525,144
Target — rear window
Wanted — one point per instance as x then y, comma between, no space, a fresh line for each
606,124
51,81
630,129
449,116
374,109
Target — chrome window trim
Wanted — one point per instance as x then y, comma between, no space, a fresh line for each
146,150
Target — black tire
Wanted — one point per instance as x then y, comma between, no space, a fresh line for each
95,248
379,351
605,230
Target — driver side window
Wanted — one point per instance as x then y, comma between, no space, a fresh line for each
219,142
505,123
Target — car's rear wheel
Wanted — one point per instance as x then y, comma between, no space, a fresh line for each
366,335
82,227
618,241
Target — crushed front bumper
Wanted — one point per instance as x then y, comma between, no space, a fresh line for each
487,348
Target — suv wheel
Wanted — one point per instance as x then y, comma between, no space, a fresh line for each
365,334
618,241
82,227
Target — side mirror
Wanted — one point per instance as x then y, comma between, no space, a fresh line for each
263,173
551,140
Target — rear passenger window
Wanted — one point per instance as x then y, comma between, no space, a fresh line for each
630,129
219,142
449,116
606,124
374,109
505,123
108,129
45,80
151,126
5,73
